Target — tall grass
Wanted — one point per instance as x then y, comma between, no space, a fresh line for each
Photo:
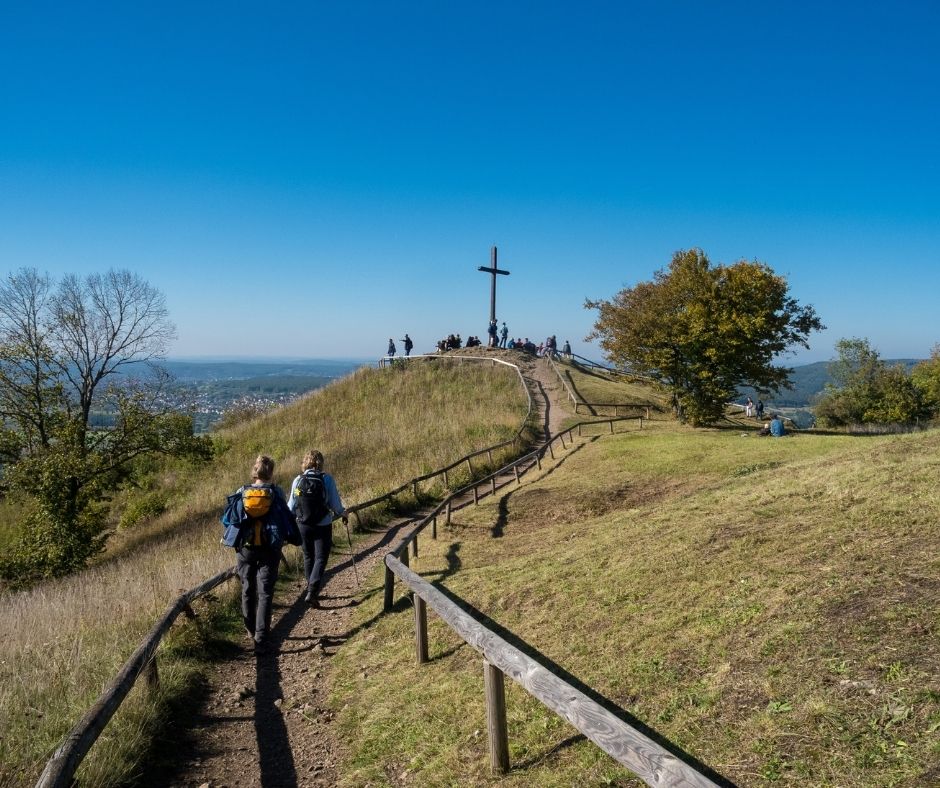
62,641
771,606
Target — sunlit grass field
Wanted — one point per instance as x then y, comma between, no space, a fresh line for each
63,641
770,606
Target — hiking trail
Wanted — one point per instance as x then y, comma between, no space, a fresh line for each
264,720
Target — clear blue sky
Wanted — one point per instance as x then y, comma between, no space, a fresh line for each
310,178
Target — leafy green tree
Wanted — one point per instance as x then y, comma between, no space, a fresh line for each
703,331
926,376
866,390
60,350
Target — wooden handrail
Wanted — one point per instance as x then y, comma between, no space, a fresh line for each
649,760
61,767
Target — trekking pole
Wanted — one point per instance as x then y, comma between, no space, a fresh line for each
352,553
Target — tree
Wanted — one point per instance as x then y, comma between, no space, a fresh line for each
866,390
926,376
61,348
704,331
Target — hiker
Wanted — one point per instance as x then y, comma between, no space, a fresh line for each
315,500
566,349
749,408
391,347
777,429
491,330
760,409
266,527
503,335
408,344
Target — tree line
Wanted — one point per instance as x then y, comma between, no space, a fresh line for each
705,331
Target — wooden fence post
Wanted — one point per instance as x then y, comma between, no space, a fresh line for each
489,454
414,546
516,469
421,630
579,429
476,496
496,718
434,527
561,437
151,674
389,589
611,427
551,450
493,480
448,512
470,467
538,459
358,520
446,481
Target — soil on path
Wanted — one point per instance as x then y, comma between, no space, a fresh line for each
265,719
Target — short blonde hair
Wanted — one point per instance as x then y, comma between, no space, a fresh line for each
263,469
312,459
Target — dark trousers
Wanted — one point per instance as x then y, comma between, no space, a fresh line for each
257,567
317,541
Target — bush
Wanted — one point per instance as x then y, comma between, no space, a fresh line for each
145,507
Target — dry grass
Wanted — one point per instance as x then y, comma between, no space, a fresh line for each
771,606
62,641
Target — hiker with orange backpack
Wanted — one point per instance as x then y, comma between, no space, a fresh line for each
257,524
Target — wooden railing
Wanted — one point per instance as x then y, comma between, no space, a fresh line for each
60,769
649,760
578,402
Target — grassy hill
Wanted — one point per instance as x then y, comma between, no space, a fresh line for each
63,641
770,606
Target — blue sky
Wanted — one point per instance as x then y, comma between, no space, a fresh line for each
308,179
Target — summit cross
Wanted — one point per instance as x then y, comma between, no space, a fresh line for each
493,270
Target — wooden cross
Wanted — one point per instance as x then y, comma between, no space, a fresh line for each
493,270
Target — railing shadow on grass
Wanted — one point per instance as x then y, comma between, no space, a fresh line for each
572,680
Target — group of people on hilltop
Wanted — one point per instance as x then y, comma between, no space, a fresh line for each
406,342
260,520
498,337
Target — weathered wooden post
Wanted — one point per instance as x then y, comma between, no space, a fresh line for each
551,450
496,718
446,481
476,496
151,674
421,629
388,602
516,469
448,511
414,546
434,527
470,467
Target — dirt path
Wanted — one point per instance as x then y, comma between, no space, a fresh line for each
265,720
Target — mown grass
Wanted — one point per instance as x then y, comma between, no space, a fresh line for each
63,641
770,606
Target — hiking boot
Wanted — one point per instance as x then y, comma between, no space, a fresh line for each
312,596
261,647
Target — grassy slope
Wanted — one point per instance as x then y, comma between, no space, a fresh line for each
62,641
771,606
598,386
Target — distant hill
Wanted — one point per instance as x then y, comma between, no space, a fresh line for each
808,381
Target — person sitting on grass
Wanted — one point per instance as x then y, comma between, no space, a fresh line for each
777,429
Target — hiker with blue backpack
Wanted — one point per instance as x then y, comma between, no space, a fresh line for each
315,501
258,522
